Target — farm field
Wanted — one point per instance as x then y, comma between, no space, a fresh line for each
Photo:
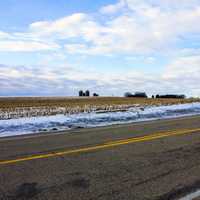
17,107
16,102
33,115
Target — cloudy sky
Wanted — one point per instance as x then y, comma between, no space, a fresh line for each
51,48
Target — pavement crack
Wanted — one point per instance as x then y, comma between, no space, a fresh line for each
153,178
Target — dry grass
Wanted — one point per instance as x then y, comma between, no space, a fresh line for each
25,102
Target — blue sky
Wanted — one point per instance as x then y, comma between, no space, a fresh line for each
20,13
52,48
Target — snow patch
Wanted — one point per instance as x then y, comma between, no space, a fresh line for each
10,127
191,196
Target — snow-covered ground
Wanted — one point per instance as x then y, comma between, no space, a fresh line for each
59,122
191,196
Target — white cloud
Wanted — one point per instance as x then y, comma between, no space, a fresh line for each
163,4
50,80
145,26
113,8
25,46
148,29
68,26
184,68
137,30
4,35
182,74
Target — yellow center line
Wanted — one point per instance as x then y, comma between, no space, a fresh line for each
103,146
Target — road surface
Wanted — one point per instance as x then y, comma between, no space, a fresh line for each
157,160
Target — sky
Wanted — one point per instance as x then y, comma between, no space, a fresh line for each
56,48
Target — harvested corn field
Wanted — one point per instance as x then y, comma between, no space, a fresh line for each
45,106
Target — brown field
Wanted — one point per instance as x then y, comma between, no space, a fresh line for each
25,102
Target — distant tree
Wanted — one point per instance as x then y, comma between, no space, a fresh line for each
157,96
182,96
172,96
153,97
128,94
80,93
87,93
137,94
140,94
95,94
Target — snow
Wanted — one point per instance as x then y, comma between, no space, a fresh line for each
10,127
191,196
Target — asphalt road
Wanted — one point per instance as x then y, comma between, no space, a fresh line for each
157,160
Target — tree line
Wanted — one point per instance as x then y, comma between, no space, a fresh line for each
144,95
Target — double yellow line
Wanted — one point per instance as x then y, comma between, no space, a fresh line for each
103,146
